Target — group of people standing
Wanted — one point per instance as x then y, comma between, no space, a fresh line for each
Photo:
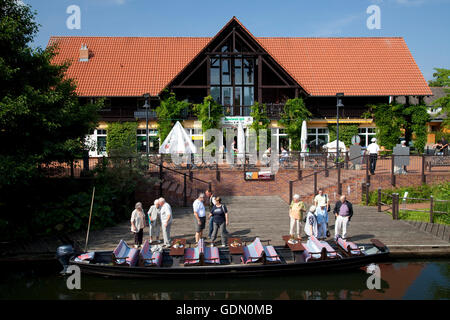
316,219
218,217
159,217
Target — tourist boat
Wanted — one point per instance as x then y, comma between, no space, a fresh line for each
239,259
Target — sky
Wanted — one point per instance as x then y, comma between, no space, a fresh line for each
424,24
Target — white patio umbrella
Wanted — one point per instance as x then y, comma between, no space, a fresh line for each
240,141
177,142
331,147
303,140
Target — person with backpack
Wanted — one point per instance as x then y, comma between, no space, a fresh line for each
311,222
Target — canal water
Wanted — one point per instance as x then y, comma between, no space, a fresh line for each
399,280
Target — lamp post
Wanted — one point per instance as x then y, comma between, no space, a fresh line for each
147,106
339,104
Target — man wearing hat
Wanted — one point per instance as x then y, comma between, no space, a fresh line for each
372,150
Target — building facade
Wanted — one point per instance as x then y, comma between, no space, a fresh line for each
238,69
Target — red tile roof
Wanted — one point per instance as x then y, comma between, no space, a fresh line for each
132,66
126,66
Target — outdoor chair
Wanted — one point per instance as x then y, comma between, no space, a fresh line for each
124,255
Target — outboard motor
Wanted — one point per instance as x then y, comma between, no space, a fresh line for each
63,254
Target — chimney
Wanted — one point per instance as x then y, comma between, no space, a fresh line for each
84,53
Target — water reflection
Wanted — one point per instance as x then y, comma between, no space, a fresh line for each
402,280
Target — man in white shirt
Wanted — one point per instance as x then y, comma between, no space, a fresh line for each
166,220
199,216
372,150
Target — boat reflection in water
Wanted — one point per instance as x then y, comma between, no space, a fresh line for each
400,280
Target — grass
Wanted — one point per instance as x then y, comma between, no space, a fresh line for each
422,216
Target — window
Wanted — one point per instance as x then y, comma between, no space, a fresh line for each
233,72
101,140
366,135
317,137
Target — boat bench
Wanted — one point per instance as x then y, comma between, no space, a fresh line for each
348,247
124,255
318,250
147,258
256,252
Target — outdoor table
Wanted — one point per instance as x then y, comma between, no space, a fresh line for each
296,248
177,254
235,252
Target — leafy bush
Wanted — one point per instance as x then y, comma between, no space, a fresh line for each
346,132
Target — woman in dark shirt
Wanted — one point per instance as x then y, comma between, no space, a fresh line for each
219,213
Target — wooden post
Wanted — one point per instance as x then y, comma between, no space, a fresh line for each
395,213
290,190
346,160
184,191
339,185
392,171
217,172
160,178
315,183
299,170
89,223
367,169
431,209
424,180
367,193
379,199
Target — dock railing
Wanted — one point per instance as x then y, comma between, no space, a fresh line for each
399,205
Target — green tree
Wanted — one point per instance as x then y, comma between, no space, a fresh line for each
121,139
441,78
260,121
169,111
41,119
292,117
209,113
390,119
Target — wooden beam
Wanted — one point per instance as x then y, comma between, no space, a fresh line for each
273,69
191,87
208,75
227,53
279,86
259,78
193,71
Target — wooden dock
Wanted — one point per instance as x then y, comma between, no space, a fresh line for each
267,217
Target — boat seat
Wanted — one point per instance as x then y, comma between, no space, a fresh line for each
271,255
147,258
331,253
349,247
192,255
253,252
212,255
124,255
312,252
86,257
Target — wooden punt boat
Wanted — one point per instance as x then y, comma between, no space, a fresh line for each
291,261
